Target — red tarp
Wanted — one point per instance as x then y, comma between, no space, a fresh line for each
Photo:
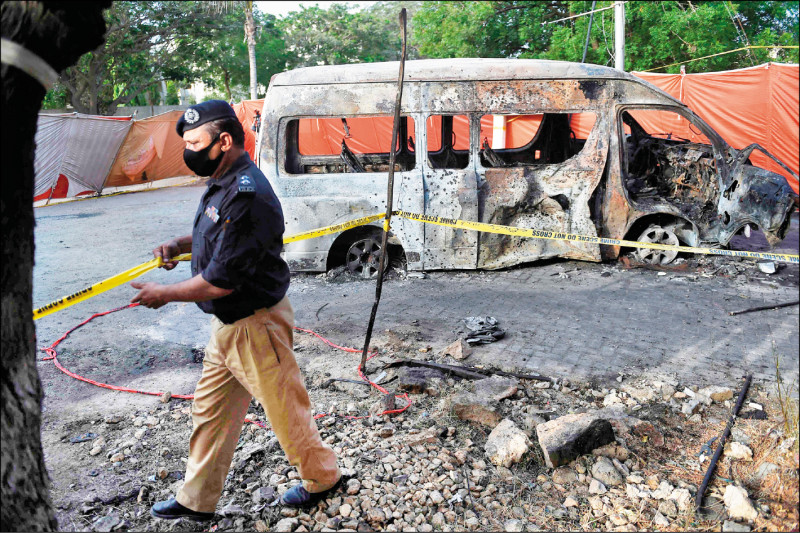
750,105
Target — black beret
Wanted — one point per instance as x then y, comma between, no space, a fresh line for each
199,114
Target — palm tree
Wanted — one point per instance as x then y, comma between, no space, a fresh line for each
59,33
250,36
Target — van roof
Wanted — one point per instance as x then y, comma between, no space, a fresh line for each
461,69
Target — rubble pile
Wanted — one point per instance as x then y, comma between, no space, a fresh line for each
496,454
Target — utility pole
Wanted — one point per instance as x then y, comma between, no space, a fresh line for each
619,36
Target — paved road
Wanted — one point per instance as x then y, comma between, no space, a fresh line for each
563,318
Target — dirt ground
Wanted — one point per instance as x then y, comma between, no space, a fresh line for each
80,243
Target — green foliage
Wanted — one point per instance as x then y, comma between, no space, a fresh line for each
656,33
335,36
183,42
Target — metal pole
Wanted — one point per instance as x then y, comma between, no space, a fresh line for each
389,195
588,32
619,36
721,445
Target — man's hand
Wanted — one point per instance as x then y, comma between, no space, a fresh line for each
150,294
166,252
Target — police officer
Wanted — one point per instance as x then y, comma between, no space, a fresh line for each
239,277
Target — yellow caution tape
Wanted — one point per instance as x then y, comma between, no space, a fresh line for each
319,232
135,272
103,286
128,275
561,236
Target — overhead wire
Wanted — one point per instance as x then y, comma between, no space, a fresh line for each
722,54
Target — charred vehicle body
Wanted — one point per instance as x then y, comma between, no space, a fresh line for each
547,145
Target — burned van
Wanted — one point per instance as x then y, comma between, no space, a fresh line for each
546,145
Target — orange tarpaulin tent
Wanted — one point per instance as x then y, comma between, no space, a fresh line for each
750,105
153,150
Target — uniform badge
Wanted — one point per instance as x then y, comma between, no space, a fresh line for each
212,213
191,116
246,184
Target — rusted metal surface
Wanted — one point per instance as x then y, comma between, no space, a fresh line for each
610,186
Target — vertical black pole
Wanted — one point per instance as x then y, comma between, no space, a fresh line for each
389,195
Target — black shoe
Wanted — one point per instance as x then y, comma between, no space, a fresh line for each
297,496
171,509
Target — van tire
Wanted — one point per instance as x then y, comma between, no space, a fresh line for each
363,257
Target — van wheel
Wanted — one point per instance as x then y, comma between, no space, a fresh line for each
661,235
363,257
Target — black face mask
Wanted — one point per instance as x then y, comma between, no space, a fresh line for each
199,162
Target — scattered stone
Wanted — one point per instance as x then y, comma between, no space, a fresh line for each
564,475
660,520
668,508
232,510
734,527
513,525
166,397
568,437
353,486
264,495
738,503
376,516
113,419
570,502
106,523
117,457
595,487
663,491
430,435
506,444
717,393
641,395
387,430
458,350
474,408
436,497
612,451
692,407
737,450
765,470
345,509
605,472
683,498
496,387
286,524
96,450
162,473
260,526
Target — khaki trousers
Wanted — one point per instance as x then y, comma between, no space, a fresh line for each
253,357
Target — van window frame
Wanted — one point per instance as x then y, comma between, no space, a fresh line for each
282,145
480,114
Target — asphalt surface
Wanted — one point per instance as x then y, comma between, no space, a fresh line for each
564,319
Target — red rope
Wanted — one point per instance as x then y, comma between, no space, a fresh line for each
53,355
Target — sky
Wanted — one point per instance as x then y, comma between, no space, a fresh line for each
282,8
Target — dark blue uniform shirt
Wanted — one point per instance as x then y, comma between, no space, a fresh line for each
237,241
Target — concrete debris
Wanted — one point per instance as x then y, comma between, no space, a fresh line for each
767,267
735,527
496,387
660,520
459,350
469,406
738,503
737,450
506,444
106,523
605,472
595,487
717,393
568,437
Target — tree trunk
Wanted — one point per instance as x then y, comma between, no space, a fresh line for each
250,32
58,33
227,79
